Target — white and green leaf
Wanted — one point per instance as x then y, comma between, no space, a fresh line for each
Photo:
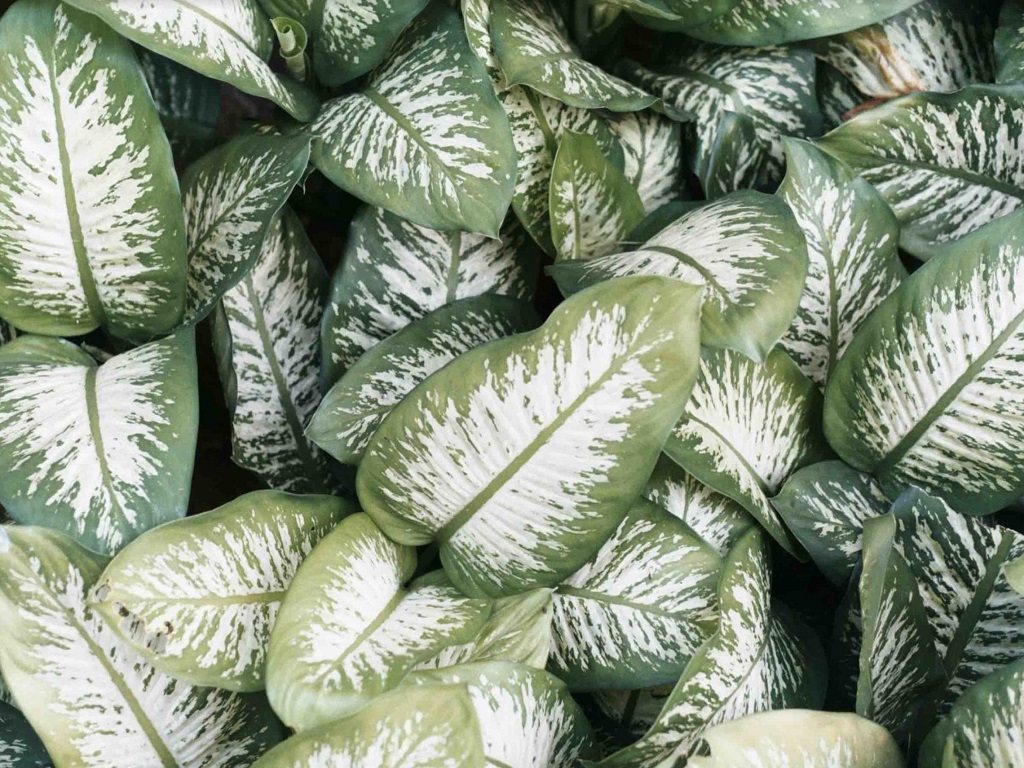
653,149
1009,43
20,746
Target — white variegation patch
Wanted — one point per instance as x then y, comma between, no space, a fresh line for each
653,148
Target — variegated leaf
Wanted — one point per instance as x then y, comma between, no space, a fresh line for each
533,49
358,402
102,453
653,149
837,95
92,700
852,256
348,630
945,163
231,197
637,611
228,40
520,496
593,205
91,227
630,713
266,333
746,428
1009,43
747,252
425,136
394,272
20,746
926,393
760,658
197,597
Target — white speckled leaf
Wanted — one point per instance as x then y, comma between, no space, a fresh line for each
926,393
837,95
198,597
521,457
20,746
348,630
91,227
653,148
1009,43
228,40
102,453
94,701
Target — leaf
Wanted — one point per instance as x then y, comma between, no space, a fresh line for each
852,256
637,611
348,631
653,150
91,229
394,272
593,205
228,40
1009,43
837,95
358,402
533,49
90,698
758,659
796,737
745,250
20,747
945,163
197,598
231,197
631,712
425,137
746,428
825,507
520,496
925,394
102,453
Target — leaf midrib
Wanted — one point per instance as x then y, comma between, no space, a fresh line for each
690,262
974,177
603,597
256,598
93,410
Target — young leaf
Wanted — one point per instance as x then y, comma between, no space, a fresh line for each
102,453
522,495
653,149
91,227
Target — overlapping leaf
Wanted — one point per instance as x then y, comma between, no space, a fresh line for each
653,150
20,747
1009,43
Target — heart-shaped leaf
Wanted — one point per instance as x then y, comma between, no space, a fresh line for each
653,148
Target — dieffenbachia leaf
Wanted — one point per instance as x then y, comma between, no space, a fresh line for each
593,205
92,700
266,333
852,258
760,658
747,252
348,630
434,727
653,148
228,40
231,197
520,496
936,45
629,713
91,227
837,95
425,136
20,746
636,612
102,453
197,597
358,402
746,428
945,163
394,272
1009,43
825,507
925,393
795,738
762,94
533,49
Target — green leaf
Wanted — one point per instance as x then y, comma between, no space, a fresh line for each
593,205
837,95
425,137
797,737
925,393
231,197
228,40
631,712
637,611
747,252
653,149
20,747
102,453
520,496
747,427
358,402
91,227
852,256
91,699
348,630
1009,43
394,272
533,48
197,597
945,163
